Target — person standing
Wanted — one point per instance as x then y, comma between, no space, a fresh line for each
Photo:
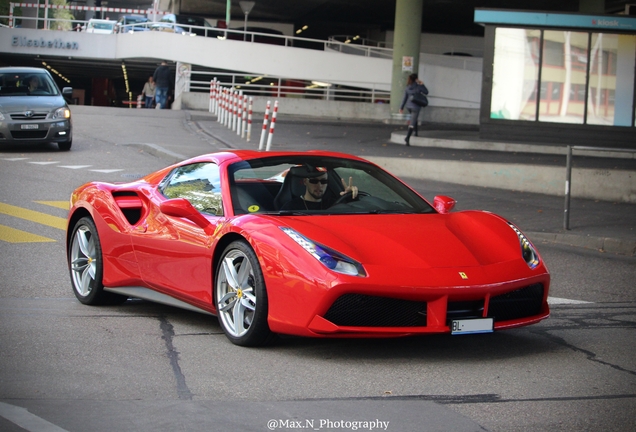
149,92
162,83
413,86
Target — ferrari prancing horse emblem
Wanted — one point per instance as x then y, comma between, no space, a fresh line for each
463,275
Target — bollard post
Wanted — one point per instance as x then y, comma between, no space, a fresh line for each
568,179
139,101
211,106
244,118
240,113
249,120
264,131
271,129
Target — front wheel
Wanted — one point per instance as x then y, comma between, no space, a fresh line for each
86,265
65,145
241,297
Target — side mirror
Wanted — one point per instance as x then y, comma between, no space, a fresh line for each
443,204
181,207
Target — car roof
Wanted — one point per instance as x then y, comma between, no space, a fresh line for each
22,69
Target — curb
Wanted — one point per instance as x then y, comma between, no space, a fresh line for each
601,244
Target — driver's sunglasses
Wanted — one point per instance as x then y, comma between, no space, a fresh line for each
316,181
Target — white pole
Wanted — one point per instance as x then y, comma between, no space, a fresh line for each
240,113
264,131
271,129
249,120
211,107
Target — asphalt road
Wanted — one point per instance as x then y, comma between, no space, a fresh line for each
148,367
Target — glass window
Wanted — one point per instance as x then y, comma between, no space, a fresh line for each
564,67
612,60
515,74
198,183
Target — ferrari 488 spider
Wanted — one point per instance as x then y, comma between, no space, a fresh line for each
281,243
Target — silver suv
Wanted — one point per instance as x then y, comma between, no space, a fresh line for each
32,108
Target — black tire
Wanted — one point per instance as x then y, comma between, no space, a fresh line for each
239,289
86,266
65,145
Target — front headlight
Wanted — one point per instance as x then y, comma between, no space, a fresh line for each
529,253
328,257
62,113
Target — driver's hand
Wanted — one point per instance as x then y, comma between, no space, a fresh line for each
350,188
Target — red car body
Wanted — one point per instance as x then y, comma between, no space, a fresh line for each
417,272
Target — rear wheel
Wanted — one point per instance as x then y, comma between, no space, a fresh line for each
241,297
86,266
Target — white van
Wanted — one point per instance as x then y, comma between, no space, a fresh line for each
100,26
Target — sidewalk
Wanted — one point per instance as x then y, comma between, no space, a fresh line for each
602,225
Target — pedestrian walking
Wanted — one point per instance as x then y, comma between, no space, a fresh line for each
414,100
149,92
162,78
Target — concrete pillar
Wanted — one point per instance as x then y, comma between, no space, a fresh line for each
592,6
406,43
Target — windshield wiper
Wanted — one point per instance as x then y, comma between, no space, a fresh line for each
293,213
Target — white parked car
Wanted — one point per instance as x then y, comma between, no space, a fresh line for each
101,26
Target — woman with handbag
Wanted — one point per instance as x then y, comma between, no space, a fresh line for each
414,99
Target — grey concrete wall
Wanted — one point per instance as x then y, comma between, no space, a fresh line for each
337,109
602,184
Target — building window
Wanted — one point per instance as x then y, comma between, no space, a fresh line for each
515,74
570,91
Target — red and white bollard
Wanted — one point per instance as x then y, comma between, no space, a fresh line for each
140,101
212,95
249,119
271,129
264,131
239,120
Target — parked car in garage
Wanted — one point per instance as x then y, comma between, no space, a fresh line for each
101,26
132,23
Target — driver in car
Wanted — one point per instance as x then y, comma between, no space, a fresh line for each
315,180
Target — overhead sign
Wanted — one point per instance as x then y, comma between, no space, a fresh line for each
543,19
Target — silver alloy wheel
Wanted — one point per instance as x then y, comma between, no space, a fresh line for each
83,260
235,291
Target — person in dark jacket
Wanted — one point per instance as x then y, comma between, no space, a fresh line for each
162,78
413,85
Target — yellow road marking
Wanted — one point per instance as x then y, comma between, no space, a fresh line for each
59,204
12,235
33,216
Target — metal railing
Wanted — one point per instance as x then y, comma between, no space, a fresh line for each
568,175
273,86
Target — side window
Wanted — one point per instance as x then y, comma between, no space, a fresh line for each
198,183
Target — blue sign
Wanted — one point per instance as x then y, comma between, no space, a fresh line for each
545,19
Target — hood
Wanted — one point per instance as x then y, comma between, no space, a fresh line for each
461,239
33,103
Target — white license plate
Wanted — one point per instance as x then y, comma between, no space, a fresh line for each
29,126
467,326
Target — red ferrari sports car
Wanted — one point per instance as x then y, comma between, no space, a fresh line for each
302,243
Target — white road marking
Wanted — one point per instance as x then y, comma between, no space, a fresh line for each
558,301
106,171
75,166
14,159
23,418
45,163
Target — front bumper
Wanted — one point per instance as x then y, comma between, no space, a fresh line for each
16,132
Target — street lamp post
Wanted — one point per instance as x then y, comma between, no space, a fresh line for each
246,7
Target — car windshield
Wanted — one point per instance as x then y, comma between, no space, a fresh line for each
101,25
278,185
27,84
